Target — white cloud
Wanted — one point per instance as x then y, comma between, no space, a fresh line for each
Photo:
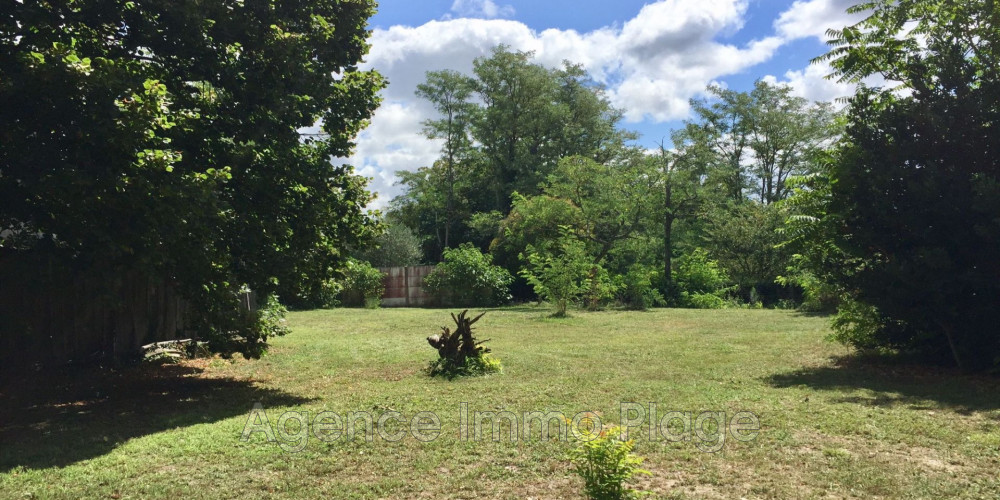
652,65
481,8
813,18
394,141
812,83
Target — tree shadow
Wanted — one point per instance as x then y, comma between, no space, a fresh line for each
529,307
813,314
58,419
898,382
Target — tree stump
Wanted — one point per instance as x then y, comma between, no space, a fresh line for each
456,347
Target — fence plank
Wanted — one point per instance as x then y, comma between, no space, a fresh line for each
404,286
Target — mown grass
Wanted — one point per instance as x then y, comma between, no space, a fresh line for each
833,426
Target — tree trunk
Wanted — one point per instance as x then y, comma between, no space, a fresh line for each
949,334
668,230
668,251
451,196
451,178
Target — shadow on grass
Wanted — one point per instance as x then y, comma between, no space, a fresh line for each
812,314
530,307
59,419
894,382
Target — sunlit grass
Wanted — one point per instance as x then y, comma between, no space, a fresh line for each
831,427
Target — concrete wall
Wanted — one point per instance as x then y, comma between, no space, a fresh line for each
404,286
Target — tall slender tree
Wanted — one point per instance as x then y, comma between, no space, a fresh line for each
450,92
682,171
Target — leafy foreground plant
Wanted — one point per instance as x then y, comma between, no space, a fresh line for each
605,462
459,354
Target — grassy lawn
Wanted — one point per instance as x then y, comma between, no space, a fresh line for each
831,427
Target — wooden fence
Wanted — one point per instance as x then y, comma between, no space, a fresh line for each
404,286
52,316
80,320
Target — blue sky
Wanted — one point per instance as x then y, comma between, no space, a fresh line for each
653,57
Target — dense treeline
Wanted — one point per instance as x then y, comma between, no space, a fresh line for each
532,156
886,214
504,130
134,144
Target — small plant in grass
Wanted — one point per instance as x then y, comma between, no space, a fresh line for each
605,462
459,353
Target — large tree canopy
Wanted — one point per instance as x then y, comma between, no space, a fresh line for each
162,136
910,227
760,139
504,129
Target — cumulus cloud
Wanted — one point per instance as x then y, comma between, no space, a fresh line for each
481,8
394,141
813,18
652,65
812,83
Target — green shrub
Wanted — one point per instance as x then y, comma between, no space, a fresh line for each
636,290
862,326
703,301
600,288
605,462
362,285
560,276
468,278
699,282
818,296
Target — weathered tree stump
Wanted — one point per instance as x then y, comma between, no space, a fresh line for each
457,346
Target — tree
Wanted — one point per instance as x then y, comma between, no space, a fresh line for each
561,273
810,236
915,186
507,136
449,92
535,221
467,277
720,127
396,247
682,172
744,239
745,147
700,283
361,286
511,129
163,138
603,206
614,202
761,138
423,207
